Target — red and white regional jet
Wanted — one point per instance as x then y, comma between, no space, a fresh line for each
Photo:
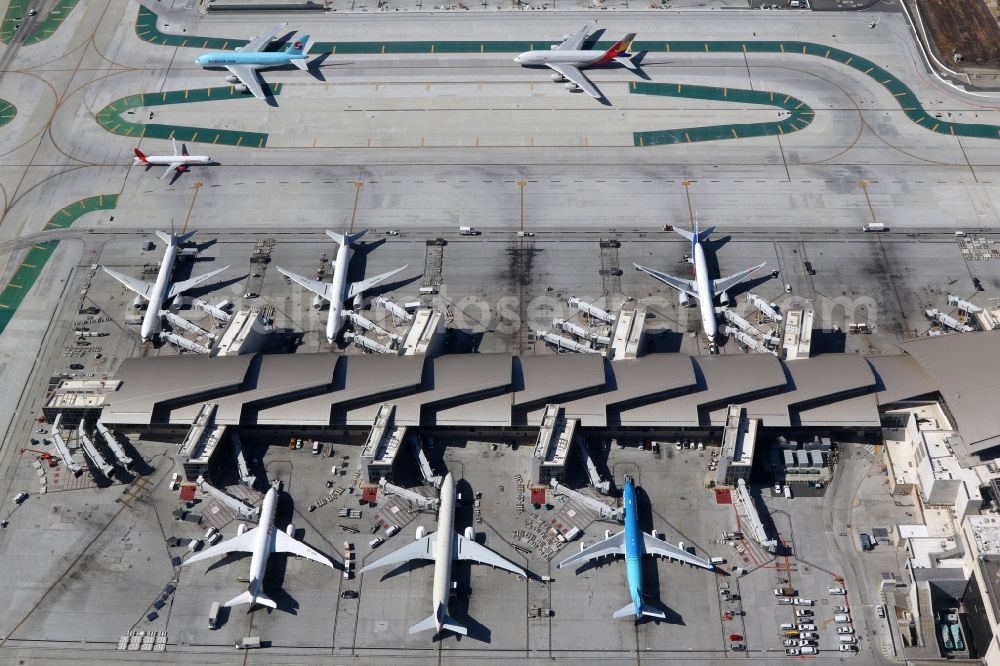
179,161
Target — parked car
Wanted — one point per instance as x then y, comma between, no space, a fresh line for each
880,611
845,630
790,642
792,652
848,648
840,609
784,601
808,650
799,601
803,612
806,627
811,635
837,590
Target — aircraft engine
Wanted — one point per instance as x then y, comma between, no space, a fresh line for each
724,297
655,534
569,85
684,299
680,544
137,303
241,88
607,534
557,77
470,533
421,532
232,79
290,530
565,37
317,302
241,530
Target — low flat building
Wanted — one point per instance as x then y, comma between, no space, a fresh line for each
381,448
553,446
78,399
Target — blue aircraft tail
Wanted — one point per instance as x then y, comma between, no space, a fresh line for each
644,611
300,46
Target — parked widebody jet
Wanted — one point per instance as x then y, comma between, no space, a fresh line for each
245,61
261,541
179,161
633,543
158,293
338,291
567,59
442,547
701,288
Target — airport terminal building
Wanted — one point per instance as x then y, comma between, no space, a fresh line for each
506,395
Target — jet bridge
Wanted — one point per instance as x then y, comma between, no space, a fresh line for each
425,466
947,321
407,494
242,509
241,461
603,510
63,448
601,486
116,448
754,522
92,453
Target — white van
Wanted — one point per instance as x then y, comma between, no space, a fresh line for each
848,640
837,590
717,560
842,619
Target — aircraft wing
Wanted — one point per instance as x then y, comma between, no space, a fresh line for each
654,546
366,284
258,43
573,74
187,285
467,549
726,283
614,545
687,286
421,549
286,544
248,77
171,168
132,284
241,544
576,41
321,289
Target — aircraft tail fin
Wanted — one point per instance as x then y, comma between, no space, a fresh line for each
440,616
626,61
300,46
139,155
625,612
619,48
649,611
643,611
346,239
690,235
249,597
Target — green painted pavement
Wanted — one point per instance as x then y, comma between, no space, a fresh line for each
146,29
112,119
799,114
29,270
7,112
18,9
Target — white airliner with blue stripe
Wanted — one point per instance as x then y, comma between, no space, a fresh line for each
633,543
244,62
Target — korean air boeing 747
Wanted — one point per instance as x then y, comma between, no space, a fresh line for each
244,62
633,543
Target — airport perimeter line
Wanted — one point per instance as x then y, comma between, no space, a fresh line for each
17,11
31,267
146,29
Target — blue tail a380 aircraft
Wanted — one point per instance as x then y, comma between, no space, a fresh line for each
633,543
244,63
